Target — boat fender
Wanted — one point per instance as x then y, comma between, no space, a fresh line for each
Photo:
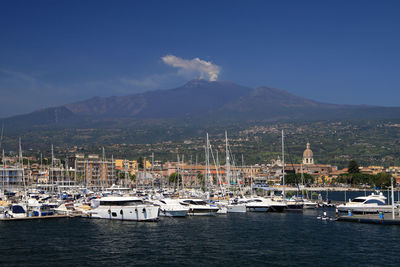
135,209
144,210
121,212
109,211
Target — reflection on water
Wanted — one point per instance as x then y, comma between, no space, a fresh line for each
233,239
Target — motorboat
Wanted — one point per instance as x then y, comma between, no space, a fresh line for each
123,208
237,206
258,204
170,207
294,204
13,211
308,204
198,207
373,203
222,206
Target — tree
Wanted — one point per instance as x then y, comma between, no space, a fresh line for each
174,177
294,179
353,167
140,163
202,181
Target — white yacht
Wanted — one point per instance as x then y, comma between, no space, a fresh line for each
123,208
366,204
13,211
258,204
199,207
171,207
237,206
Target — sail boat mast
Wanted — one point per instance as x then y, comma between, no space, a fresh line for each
227,163
283,165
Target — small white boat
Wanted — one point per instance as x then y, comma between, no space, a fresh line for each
171,207
198,207
123,208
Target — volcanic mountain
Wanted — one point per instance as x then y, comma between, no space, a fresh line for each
198,101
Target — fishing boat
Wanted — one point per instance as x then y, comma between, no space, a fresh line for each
123,208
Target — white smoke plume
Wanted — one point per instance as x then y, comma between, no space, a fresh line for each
205,68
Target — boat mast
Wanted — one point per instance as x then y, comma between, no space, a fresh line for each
104,169
178,163
207,163
283,166
67,172
391,181
152,171
112,169
1,137
4,170
227,163
52,168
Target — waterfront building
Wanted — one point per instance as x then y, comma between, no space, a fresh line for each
372,169
12,177
93,170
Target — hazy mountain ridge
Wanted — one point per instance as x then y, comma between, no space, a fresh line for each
198,101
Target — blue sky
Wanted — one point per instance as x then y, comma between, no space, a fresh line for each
56,52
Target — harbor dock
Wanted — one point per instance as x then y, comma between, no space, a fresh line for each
370,218
37,218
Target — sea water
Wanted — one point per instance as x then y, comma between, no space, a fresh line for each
234,239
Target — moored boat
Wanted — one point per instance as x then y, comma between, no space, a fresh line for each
123,208
198,207
366,204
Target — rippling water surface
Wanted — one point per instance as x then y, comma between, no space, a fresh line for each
233,239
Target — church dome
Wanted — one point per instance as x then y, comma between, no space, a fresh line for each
308,152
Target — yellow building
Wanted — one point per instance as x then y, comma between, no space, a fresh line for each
372,169
131,165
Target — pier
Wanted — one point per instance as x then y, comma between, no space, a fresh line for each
370,218
38,218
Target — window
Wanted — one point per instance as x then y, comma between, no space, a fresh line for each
374,201
17,209
121,203
358,200
114,214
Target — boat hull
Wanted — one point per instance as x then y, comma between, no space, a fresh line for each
258,208
202,212
294,207
236,208
173,213
359,210
277,208
126,213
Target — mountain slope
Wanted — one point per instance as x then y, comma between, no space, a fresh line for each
195,98
198,101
